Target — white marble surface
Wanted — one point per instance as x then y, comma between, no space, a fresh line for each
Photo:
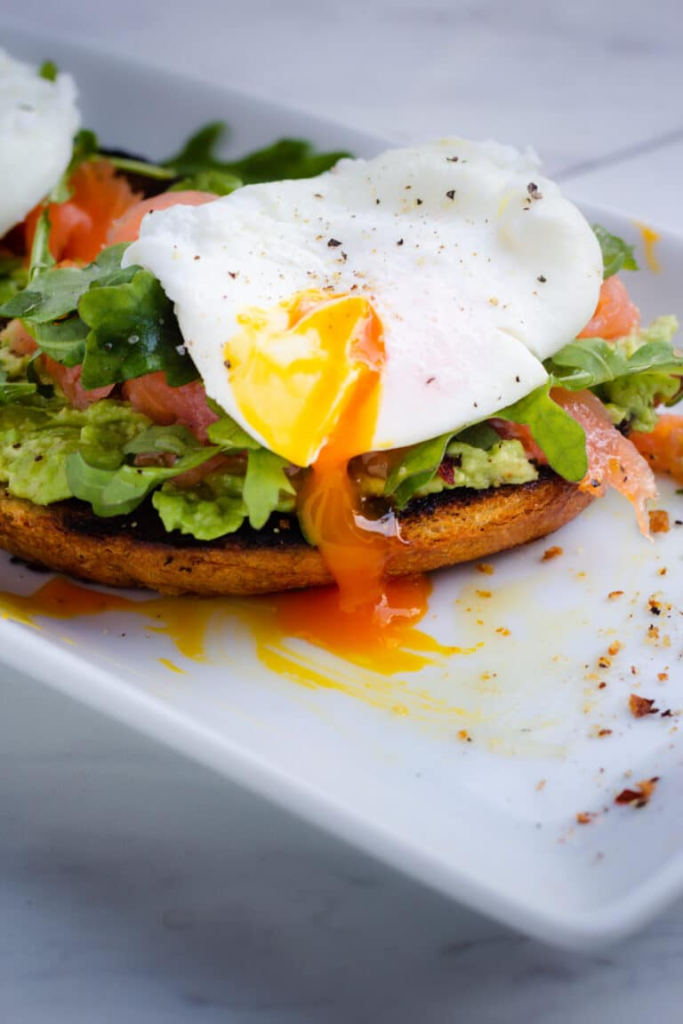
135,887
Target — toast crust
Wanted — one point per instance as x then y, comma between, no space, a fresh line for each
135,551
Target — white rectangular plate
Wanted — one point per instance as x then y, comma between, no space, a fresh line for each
469,775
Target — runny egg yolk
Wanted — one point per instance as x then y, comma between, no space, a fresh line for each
307,378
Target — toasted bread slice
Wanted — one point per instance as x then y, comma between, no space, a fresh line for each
135,551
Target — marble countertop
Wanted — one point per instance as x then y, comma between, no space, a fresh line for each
136,887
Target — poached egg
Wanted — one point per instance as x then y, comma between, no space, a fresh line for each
383,303
38,119
448,271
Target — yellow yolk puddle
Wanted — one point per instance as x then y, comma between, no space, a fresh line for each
274,622
650,238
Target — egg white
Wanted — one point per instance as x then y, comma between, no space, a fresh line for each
38,120
476,264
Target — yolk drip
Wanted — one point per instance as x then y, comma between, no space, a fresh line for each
307,377
650,238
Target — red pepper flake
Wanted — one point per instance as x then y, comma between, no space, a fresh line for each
604,662
603,685
640,796
605,732
655,606
663,677
659,521
614,648
614,594
553,552
447,472
464,736
641,706
585,817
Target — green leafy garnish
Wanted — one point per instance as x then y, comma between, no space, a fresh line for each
616,253
113,492
41,258
129,165
11,390
264,485
118,492
560,437
221,183
133,331
116,321
13,277
630,375
287,158
56,293
49,70
417,471
230,436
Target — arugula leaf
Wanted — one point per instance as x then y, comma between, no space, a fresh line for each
229,435
13,277
41,258
115,492
264,485
479,435
287,158
173,439
589,362
131,165
416,468
49,71
133,332
56,292
562,439
11,390
197,154
616,253
420,462
63,340
221,183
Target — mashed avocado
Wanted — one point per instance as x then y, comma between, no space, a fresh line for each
35,440
505,462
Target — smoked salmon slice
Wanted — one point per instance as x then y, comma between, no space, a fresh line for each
615,315
663,447
613,461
